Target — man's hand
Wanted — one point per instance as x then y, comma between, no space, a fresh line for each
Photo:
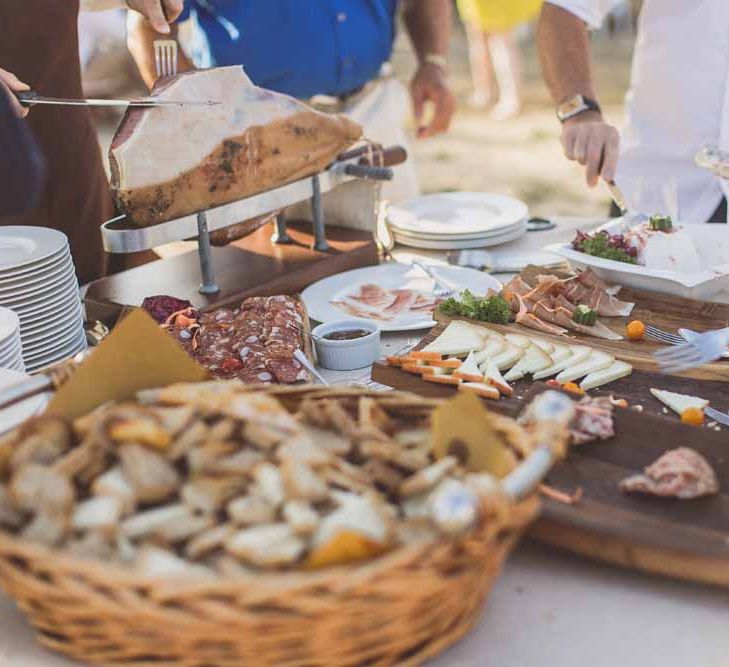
160,13
589,140
9,82
430,84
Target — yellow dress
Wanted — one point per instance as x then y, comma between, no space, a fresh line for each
498,15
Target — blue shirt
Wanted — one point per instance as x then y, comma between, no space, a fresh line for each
299,47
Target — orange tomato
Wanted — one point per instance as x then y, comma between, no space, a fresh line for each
636,330
693,416
573,388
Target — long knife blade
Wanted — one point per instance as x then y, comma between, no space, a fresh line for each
29,98
617,196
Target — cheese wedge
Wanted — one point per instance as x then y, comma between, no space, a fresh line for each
458,338
544,344
517,339
559,352
577,355
480,389
508,356
534,360
615,371
679,402
468,371
595,362
492,375
492,347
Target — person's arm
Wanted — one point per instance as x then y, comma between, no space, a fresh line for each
428,23
140,40
22,168
564,51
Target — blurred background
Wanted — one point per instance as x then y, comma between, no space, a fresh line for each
513,150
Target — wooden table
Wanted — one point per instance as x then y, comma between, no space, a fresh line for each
548,608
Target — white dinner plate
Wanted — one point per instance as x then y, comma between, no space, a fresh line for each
20,245
54,318
32,268
9,325
519,224
64,338
318,296
456,213
32,281
10,346
16,414
12,359
68,330
63,282
415,242
43,310
57,356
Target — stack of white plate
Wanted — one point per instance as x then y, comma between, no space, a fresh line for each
38,282
10,348
457,220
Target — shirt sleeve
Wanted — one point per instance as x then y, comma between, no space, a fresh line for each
101,5
22,168
592,12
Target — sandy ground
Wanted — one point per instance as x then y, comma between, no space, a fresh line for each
521,156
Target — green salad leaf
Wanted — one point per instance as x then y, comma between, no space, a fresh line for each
492,308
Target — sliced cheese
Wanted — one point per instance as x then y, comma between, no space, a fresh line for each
481,389
492,375
468,371
544,344
518,339
576,355
595,362
508,356
679,402
492,347
615,371
559,352
458,338
534,360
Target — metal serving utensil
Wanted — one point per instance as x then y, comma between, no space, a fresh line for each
165,57
704,348
440,289
29,98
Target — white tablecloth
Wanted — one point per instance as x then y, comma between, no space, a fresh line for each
548,609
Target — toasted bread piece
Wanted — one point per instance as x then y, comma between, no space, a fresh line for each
481,389
443,379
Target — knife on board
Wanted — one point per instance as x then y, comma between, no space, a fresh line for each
29,98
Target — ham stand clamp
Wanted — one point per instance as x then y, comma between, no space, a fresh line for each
119,237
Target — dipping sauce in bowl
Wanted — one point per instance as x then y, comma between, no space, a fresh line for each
347,334
344,345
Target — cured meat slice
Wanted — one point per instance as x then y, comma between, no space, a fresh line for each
167,162
593,420
404,298
285,370
374,296
679,473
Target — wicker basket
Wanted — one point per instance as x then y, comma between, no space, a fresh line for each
400,609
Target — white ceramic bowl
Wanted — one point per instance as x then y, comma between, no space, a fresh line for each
347,355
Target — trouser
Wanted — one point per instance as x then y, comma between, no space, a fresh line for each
720,215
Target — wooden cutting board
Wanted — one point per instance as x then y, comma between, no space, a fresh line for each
686,539
682,539
661,310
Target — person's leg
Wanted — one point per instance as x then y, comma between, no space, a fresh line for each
481,69
506,60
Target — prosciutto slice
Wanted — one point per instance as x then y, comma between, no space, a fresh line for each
168,162
679,473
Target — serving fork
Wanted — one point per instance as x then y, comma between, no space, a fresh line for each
701,349
440,289
165,57
679,338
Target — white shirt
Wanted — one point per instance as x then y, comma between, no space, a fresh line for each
678,101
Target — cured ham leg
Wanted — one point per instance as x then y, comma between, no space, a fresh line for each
167,162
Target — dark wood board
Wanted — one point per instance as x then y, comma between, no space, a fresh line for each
687,539
683,539
634,388
664,311
252,266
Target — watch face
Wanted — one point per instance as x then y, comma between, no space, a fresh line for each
572,105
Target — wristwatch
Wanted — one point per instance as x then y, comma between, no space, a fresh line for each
575,106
